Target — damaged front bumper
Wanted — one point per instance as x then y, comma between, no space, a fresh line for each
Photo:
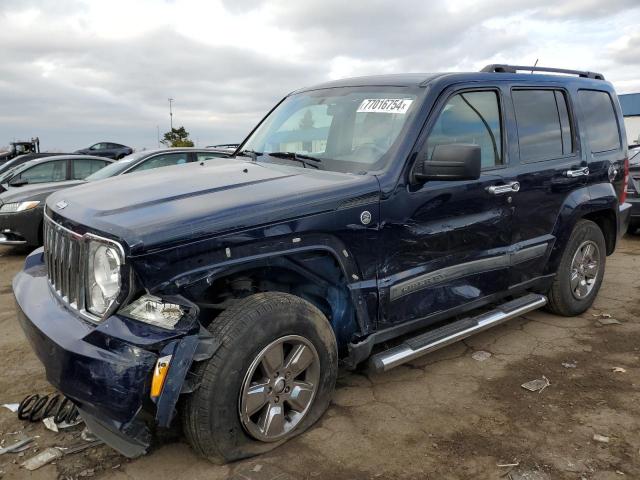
106,369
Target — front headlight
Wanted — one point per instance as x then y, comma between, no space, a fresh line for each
103,277
18,206
154,311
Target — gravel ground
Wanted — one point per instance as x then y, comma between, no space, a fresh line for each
445,416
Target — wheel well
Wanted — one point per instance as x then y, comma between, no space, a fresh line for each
606,220
315,277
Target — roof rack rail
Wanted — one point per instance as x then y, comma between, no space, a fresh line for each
501,68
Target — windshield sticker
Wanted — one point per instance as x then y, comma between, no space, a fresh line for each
385,105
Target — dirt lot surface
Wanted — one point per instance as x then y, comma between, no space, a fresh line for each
445,416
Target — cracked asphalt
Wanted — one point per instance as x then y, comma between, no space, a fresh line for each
443,416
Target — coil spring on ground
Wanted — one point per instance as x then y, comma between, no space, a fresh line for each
37,407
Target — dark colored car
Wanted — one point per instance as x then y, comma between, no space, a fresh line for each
24,189
373,218
107,149
163,157
633,187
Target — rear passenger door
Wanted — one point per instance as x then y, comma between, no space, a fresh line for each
550,169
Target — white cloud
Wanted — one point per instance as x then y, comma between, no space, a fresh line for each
79,71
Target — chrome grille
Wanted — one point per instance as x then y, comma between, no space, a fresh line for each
63,257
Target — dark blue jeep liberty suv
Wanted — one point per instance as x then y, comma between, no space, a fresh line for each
371,220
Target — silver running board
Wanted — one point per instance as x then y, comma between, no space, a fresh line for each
441,337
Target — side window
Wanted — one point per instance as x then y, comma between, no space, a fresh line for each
544,128
600,120
202,156
83,168
470,117
46,172
165,160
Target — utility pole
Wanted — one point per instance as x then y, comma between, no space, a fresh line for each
171,113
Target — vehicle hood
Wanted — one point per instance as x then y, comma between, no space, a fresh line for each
172,205
38,191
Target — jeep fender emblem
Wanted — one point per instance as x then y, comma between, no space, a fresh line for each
365,217
61,204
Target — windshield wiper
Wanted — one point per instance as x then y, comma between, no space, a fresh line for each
300,157
252,154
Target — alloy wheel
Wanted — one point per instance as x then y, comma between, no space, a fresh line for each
584,269
279,388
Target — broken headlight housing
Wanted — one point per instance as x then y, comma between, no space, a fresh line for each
154,311
103,276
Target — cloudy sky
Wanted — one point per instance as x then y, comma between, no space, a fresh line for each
75,72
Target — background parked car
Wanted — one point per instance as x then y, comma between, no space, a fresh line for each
25,188
633,187
165,157
14,162
107,149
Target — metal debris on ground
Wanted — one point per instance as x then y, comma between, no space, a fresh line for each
507,465
572,364
11,406
87,435
609,321
16,447
601,315
54,453
600,438
51,424
43,458
82,446
528,475
619,370
481,355
537,385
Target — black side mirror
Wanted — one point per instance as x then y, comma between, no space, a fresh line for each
18,182
449,162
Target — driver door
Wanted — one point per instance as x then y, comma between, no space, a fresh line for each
445,243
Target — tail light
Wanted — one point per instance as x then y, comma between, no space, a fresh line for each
623,190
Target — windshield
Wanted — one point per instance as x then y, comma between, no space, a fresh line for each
115,168
634,156
349,129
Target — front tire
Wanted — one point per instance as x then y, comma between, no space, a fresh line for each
581,271
271,378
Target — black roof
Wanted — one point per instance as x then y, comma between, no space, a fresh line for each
490,73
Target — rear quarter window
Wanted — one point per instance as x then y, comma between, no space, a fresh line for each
601,125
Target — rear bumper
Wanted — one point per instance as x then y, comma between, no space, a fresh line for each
105,369
624,217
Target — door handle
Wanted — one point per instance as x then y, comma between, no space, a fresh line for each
579,172
509,187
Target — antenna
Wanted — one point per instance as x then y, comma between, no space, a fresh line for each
534,65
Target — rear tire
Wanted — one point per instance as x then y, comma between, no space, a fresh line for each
216,422
581,271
